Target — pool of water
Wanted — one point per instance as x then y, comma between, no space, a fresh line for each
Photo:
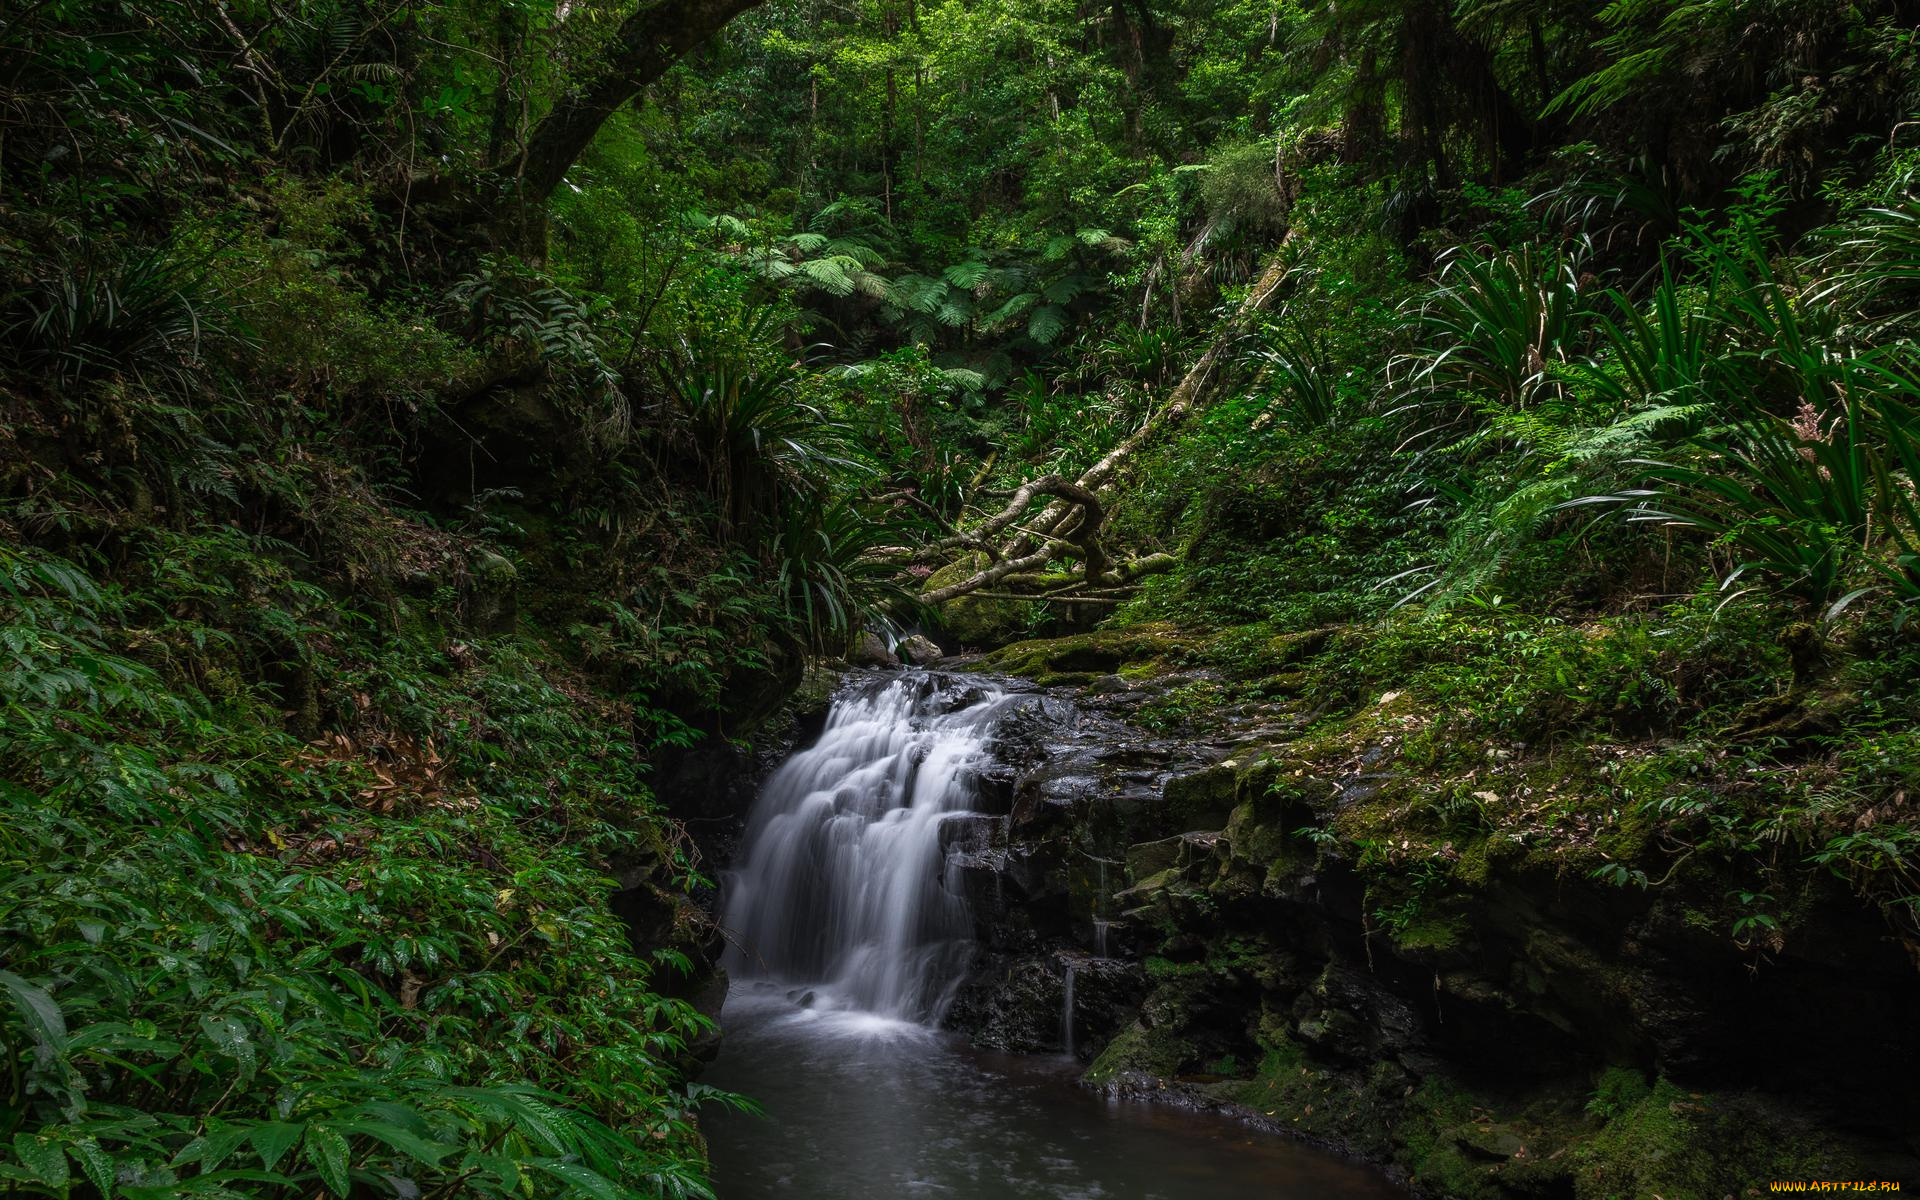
859,1107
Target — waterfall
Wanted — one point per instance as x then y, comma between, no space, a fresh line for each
842,885
1066,1012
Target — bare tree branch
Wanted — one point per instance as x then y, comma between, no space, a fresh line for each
1085,536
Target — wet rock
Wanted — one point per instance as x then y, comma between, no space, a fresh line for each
919,650
870,650
491,598
1019,1003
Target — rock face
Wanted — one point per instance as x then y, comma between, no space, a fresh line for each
1179,911
490,596
1043,870
1542,1035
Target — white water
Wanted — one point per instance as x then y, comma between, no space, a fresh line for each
1066,1013
850,935
842,887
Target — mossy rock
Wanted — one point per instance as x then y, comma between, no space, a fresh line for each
491,601
1685,1145
1089,656
1211,798
976,620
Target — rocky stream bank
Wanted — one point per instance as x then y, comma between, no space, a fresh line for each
1243,908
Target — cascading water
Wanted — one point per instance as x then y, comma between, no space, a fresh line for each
1066,1012
849,933
842,885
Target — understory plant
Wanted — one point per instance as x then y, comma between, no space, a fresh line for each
380,964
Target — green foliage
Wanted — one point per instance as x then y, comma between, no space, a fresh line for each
307,840
1801,471
830,574
1497,326
1241,185
757,441
241,965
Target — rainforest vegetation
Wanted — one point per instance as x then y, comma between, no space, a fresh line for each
419,421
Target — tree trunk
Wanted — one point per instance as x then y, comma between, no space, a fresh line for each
657,35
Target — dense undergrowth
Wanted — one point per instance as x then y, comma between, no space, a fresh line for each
246,964
401,449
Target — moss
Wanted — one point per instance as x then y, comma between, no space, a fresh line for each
1362,1111
1065,678
1163,968
1433,932
1147,648
978,620
1155,1052
1474,868
1617,1091
1202,800
1683,1145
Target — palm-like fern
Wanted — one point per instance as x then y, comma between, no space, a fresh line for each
757,442
1496,324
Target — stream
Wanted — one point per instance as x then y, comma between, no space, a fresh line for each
850,935
870,1108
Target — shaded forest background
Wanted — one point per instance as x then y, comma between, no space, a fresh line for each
416,420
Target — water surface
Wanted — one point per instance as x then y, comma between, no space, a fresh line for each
864,1107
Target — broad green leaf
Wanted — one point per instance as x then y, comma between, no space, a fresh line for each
44,1157
327,1153
407,1143
41,1012
272,1140
97,1163
586,1182
230,1035
212,1149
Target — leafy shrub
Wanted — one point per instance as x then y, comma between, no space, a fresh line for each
243,966
1241,185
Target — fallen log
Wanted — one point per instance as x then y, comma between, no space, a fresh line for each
1073,520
